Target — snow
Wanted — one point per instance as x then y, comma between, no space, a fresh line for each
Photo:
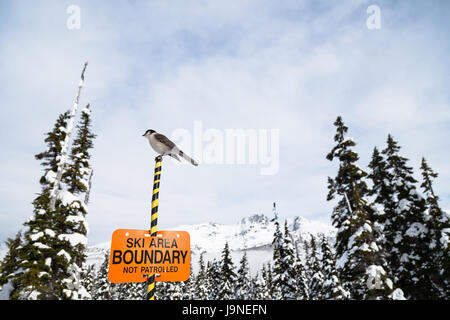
367,227
64,254
74,239
49,232
348,139
41,245
398,295
76,219
374,247
5,290
416,230
50,176
86,111
36,236
389,283
403,205
33,295
445,237
67,198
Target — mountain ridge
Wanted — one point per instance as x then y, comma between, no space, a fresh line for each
252,234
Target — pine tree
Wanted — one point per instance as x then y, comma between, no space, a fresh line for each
244,281
331,288
277,271
9,266
174,290
214,279
54,240
315,270
76,176
49,158
356,249
71,210
260,288
61,160
267,276
88,278
38,254
161,293
188,286
284,276
438,222
103,289
302,292
406,231
382,204
201,285
227,276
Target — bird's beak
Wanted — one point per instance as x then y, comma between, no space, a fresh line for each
143,135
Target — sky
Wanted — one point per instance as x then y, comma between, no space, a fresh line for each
288,66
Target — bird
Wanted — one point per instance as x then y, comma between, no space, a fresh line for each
163,146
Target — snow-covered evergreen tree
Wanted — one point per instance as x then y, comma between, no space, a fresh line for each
214,279
10,266
201,285
37,278
382,204
161,293
71,226
128,291
315,271
284,270
260,288
438,222
76,175
407,235
174,290
88,278
227,276
103,289
52,252
188,286
266,274
244,286
302,292
331,288
356,249
49,158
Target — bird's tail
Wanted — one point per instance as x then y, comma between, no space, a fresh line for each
187,158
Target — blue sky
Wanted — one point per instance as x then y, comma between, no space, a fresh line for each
287,65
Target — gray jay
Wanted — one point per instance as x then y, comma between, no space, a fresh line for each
163,146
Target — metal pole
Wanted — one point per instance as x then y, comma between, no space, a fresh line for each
154,220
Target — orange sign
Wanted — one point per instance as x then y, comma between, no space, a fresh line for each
135,255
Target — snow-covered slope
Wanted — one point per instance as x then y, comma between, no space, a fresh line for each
252,234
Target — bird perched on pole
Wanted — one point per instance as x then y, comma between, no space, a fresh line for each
163,146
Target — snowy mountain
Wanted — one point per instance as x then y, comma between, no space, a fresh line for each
252,234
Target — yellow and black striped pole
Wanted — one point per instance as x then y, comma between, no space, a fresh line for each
153,226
